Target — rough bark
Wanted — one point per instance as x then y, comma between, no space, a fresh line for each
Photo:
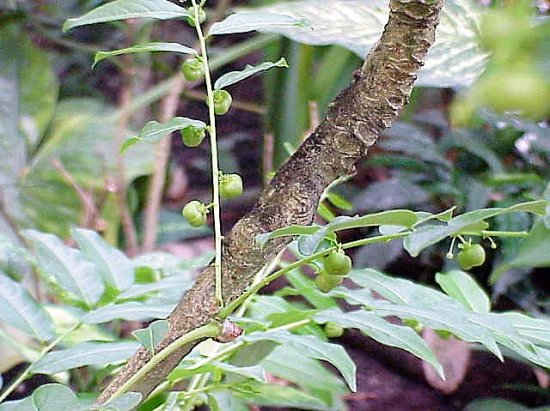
377,93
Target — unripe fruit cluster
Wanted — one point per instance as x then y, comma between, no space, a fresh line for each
336,266
513,80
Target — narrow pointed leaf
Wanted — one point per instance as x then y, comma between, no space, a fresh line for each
113,266
383,332
128,9
20,310
143,48
88,353
243,22
235,76
462,287
314,348
66,267
131,311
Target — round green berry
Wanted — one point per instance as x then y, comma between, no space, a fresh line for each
333,330
326,282
222,102
193,69
337,263
231,186
471,256
195,213
192,136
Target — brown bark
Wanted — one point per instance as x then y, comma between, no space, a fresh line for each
369,105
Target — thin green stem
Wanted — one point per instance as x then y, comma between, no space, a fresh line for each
209,330
257,287
214,158
509,234
41,355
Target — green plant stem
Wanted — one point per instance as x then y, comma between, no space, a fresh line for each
41,355
257,287
229,55
214,158
509,234
210,330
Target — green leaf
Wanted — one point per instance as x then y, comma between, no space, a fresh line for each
151,336
28,94
243,22
281,396
408,300
314,348
129,143
130,311
55,397
454,60
233,77
112,264
153,131
446,317
126,402
66,267
403,218
536,330
87,353
383,332
20,310
427,235
397,290
171,283
254,372
128,9
533,251
462,287
291,365
144,48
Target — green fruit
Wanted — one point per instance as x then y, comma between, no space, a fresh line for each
191,17
498,28
337,263
325,282
222,102
231,186
192,136
333,330
193,69
471,256
520,89
195,213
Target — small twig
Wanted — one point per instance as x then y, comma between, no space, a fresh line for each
169,107
92,213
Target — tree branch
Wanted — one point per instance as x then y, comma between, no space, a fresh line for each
354,120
